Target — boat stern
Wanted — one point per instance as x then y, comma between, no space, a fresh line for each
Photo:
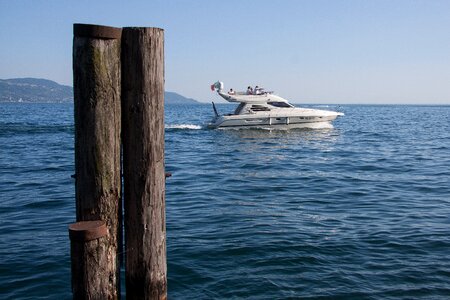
215,122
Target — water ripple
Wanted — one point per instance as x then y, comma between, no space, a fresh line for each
360,211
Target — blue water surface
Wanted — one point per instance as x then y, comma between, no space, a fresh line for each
361,211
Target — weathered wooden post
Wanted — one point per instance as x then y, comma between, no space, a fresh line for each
143,154
96,76
89,260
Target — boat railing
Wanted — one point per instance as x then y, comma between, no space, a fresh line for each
245,93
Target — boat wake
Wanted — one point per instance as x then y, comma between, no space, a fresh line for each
183,126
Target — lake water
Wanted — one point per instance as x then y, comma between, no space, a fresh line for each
361,211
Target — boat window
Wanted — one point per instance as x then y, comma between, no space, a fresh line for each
260,108
279,104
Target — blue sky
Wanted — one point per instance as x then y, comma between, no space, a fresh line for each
317,51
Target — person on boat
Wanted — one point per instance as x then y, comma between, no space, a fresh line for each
259,90
231,92
249,91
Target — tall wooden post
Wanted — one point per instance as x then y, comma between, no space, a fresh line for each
143,153
96,76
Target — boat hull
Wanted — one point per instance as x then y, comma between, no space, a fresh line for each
275,122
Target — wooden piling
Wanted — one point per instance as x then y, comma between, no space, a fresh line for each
97,79
89,260
143,154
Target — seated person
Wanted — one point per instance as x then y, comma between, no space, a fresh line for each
249,91
259,90
231,92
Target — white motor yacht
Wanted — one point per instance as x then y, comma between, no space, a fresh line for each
262,109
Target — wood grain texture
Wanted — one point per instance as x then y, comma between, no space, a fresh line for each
143,154
90,261
96,74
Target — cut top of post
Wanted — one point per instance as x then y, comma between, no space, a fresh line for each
85,231
96,31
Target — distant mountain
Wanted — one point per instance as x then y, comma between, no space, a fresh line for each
34,90
47,91
174,98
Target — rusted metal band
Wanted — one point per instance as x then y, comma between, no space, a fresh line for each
96,31
85,231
